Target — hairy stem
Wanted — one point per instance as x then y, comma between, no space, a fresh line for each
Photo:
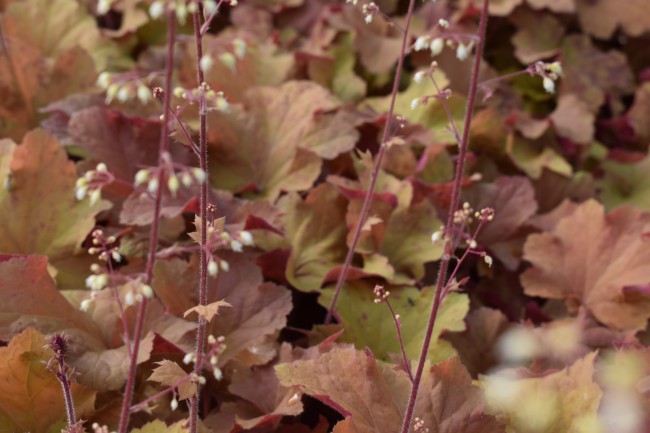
153,234
375,172
455,198
203,210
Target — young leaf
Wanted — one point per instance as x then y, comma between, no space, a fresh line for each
169,373
207,311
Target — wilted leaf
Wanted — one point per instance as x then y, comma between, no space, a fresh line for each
370,325
170,374
39,212
208,311
277,141
30,395
594,260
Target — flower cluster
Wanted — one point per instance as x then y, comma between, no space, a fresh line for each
381,294
550,73
218,238
173,172
217,346
214,100
419,426
239,48
124,87
92,182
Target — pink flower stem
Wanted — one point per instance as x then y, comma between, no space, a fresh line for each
455,198
203,209
156,396
153,234
398,326
375,172
443,102
504,77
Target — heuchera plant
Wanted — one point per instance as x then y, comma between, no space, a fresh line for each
311,215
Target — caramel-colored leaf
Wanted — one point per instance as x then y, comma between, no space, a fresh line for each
208,311
169,373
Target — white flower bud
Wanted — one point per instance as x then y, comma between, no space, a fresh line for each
206,62
124,94
443,23
246,238
153,186
421,43
188,358
157,9
173,184
555,67
104,80
414,103
85,304
95,195
224,265
186,179
103,6
236,246
174,404
116,256
239,46
129,298
418,77
209,7
144,94
147,291
214,360
223,105
229,60
436,236
111,91
437,45
218,374
213,269
141,176
101,167
202,380
80,192
368,18
211,339
549,85
462,52
199,175
181,12
488,260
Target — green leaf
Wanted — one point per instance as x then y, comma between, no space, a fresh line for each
370,325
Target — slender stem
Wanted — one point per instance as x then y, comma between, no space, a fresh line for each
443,101
67,394
504,77
203,209
375,172
398,326
206,24
455,198
153,234
120,305
156,396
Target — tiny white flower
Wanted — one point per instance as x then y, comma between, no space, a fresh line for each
236,246
199,175
94,196
240,48
218,374
157,9
188,358
206,62
144,94
85,304
116,256
101,167
419,76
488,260
436,46
462,52
186,179
224,265
246,238
104,80
421,43
223,105
124,94
153,186
202,380
129,298
555,67
436,236
80,192
174,404
209,6
181,12
414,103
214,360
111,91
103,6
368,18
443,23
141,176
549,85
213,269
173,184
147,291
228,59
96,282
